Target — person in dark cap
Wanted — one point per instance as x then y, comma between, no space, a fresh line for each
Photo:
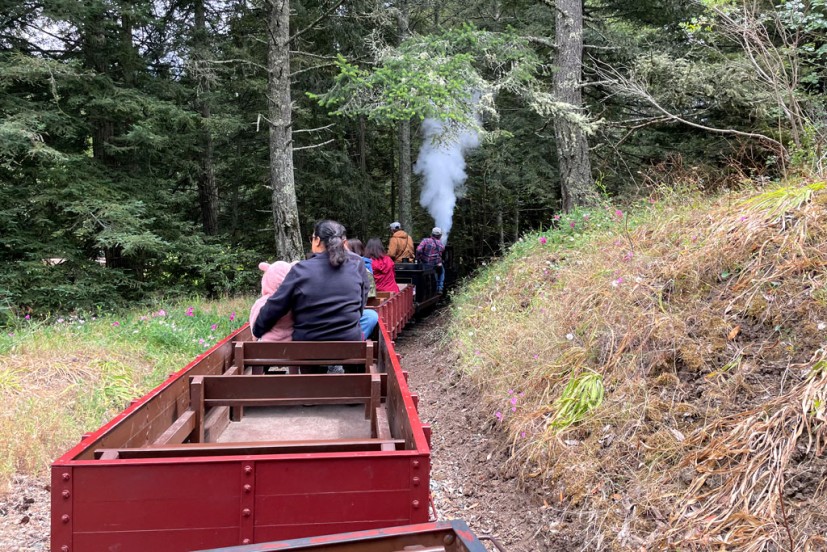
429,253
400,246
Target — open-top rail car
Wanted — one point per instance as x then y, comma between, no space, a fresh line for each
216,456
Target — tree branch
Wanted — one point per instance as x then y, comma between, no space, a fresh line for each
314,145
324,14
318,129
306,69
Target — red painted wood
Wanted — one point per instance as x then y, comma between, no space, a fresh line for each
338,475
269,533
157,541
130,498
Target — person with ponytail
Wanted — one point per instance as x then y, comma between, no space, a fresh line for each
326,294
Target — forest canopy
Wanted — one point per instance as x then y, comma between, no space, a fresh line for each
144,145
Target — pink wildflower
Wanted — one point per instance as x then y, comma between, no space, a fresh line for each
513,409
116,323
586,216
232,316
214,326
522,434
28,317
513,401
143,318
543,240
190,311
556,217
498,415
628,256
572,224
619,214
162,312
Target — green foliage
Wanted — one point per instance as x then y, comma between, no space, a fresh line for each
447,76
582,394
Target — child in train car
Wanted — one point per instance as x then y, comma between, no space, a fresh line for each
272,278
369,318
383,266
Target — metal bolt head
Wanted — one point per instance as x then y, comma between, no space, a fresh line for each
416,481
248,469
64,548
415,463
415,504
66,476
248,488
246,512
66,494
65,518
245,541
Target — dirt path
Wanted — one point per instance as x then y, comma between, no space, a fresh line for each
467,477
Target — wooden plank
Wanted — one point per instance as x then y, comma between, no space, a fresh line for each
383,428
235,449
215,423
304,350
286,387
197,405
179,431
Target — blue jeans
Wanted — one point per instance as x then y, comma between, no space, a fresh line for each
439,274
368,321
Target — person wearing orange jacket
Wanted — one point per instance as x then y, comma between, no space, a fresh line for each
400,246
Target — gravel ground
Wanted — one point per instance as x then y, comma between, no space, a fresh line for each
24,515
467,479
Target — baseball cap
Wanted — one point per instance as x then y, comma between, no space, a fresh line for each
437,231
395,226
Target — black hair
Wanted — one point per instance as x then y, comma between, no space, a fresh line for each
332,235
356,246
374,249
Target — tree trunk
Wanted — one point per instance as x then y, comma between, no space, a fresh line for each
404,180
404,129
207,187
285,210
501,229
576,185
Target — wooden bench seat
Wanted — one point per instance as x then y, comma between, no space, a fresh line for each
262,354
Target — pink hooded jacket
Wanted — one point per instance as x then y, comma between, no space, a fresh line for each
274,275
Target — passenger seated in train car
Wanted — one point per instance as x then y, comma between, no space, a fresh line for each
272,278
401,245
326,293
383,265
356,246
370,318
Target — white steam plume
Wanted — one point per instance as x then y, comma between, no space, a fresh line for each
441,163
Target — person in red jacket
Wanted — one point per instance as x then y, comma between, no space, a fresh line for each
382,266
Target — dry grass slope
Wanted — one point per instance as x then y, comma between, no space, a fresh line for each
700,330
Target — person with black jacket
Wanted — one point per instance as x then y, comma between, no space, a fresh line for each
326,293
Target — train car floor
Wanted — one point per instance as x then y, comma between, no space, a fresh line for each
298,423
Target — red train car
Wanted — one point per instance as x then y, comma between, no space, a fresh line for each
216,457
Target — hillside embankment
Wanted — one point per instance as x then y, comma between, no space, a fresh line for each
658,375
